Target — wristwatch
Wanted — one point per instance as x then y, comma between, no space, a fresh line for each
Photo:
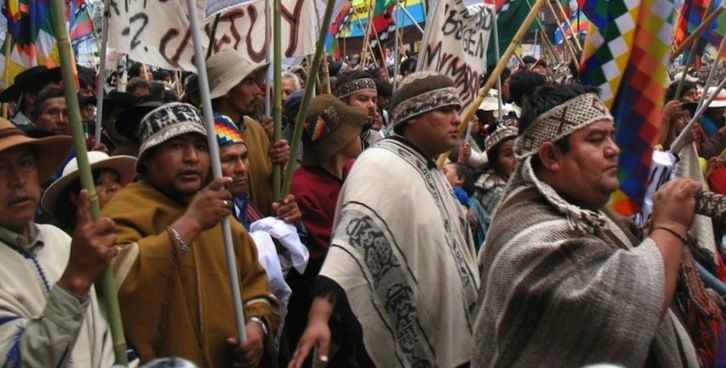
261,323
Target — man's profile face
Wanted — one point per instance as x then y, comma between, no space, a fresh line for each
242,96
288,88
235,164
54,116
590,166
19,188
179,166
437,130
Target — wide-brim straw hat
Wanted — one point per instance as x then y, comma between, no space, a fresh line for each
51,151
720,100
330,125
122,165
29,80
228,68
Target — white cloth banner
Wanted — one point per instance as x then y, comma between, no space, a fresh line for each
217,6
158,33
455,44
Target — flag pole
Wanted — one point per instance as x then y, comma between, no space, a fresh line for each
711,72
100,84
678,142
521,32
84,170
277,93
300,120
199,57
697,32
569,24
570,46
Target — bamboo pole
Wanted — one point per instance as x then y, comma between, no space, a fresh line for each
697,33
277,93
199,58
367,35
569,24
300,121
685,70
84,170
523,29
101,74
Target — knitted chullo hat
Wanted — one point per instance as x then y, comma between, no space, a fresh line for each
330,125
422,92
227,133
164,123
501,134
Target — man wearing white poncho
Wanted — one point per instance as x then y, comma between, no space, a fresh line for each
402,260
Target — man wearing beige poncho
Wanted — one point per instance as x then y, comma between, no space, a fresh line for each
566,283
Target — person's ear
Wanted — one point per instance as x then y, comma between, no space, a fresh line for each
549,155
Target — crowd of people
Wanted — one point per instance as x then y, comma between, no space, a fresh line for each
504,255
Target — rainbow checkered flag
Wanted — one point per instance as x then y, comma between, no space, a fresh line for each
626,54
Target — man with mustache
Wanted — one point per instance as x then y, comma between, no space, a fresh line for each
358,89
174,288
565,282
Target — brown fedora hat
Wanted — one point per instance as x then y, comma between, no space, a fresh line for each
52,151
32,80
330,125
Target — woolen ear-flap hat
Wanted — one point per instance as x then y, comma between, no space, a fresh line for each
228,68
166,122
52,150
122,165
330,125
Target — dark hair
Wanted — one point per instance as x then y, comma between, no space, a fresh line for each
524,83
547,98
408,65
135,69
671,91
502,77
465,172
137,82
384,87
47,94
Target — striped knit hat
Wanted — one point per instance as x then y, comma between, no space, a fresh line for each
227,133
420,93
501,134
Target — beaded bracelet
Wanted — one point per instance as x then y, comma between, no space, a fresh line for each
178,238
679,236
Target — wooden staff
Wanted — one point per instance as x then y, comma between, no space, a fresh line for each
523,29
697,33
277,91
8,41
366,36
84,171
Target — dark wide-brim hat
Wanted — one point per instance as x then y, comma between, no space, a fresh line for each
330,125
52,151
32,79
127,122
118,99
